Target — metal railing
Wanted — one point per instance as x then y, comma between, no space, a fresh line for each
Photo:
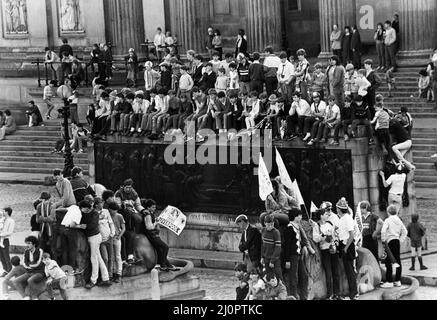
47,66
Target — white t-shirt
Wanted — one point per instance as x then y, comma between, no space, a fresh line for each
345,226
73,215
397,181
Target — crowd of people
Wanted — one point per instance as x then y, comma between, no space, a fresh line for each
276,249
109,221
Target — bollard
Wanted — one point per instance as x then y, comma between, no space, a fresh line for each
156,291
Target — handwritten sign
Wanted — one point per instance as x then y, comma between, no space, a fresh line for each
173,219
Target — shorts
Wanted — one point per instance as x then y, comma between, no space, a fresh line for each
416,244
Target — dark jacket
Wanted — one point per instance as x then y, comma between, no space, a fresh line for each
290,246
252,243
66,48
197,76
346,114
208,80
81,189
356,41
256,72
243,47
360,112
339,75
35,262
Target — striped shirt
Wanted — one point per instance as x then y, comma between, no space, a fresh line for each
271,245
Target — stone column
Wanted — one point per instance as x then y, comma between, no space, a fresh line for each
418,30
339,12
124,25
190,21
263,24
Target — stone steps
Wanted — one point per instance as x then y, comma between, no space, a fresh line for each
424,177
42,171
30,165
37,154
40,160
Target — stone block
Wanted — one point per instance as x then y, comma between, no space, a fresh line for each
360,179
359,163
360,195
359,146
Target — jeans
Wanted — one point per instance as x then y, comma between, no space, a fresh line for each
298,278
380,49
96,259
365,122
330,265
348,263
4,256
343,124
161,249
256,85
28,280
395,248
372,245
117,260
107,253
390,56
271,85
60,284
68,238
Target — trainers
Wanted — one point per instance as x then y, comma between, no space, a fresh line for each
307,137
106,283
311,143
423,268
90,285
395,265
387,285
397,284
335,143
412,269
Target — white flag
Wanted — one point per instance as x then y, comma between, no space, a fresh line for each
296,191
265,185
283,173
173,219
313,207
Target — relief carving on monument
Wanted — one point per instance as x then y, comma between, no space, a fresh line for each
14,16
70,17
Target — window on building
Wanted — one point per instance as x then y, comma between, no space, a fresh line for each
294,5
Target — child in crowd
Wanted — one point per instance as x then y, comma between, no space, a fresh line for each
17,271
257,287
222,81
243,281
391,81
271,247
433,85
318,81
48,95
424,83
234,82
91,114
416,232
393,233
382,123
216,63
275,288
362,83
120,229
56,277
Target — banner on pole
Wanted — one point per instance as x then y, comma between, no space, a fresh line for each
296,191
265,185
173,219
283,173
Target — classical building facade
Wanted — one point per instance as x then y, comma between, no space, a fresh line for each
27,26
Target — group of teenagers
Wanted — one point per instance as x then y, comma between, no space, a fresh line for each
111,223
277,248
244,93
